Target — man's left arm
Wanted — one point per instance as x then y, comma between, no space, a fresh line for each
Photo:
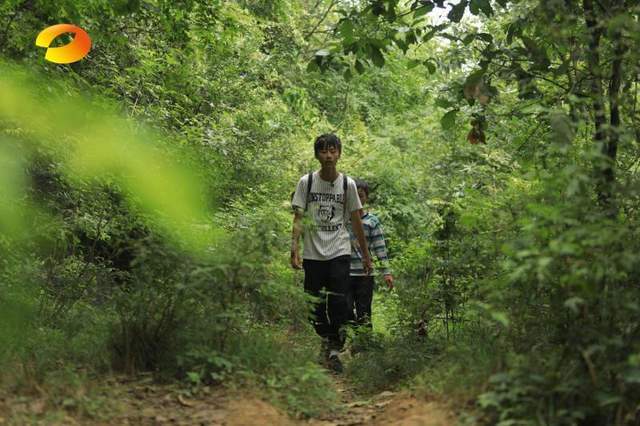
356,224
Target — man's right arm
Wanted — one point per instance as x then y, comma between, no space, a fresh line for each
296,262
298,203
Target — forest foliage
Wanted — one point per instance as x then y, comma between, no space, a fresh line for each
145,196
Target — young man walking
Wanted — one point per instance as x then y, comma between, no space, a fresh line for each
330,200
361,281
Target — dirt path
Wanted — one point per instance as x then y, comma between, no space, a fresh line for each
141,402
385,408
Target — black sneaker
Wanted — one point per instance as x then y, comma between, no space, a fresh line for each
334,363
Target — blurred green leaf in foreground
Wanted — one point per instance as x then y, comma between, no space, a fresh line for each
95,145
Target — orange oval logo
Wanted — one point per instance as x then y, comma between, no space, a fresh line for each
69,53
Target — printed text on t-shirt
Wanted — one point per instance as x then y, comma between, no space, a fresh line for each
323,197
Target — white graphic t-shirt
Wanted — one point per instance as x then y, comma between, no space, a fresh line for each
325,232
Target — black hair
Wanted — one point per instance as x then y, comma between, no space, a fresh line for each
364,185
325,141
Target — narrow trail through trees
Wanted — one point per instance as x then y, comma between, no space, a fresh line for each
142,402
385,408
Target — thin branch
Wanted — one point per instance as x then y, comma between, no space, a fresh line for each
548,80
324,16
345,107
402,15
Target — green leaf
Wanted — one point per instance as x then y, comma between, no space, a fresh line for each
431,66
402,45
449,37
346,30
513,30
378,42
413,63
193,377
468,39
526,88
605,399
377,8
312,66
359,67
488,400
449,119
347,75
350,48
632,376
323,52
500,317
69,402
485,37
537,53
481,5
475,77
457,11
423,10
377,57
125,7
443,103
474,8
432,32
574,303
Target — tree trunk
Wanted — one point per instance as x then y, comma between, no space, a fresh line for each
602,168
611,150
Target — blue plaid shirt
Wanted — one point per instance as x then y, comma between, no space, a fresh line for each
375,239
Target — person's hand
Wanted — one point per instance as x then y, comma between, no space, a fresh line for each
368,265
296,262
389,280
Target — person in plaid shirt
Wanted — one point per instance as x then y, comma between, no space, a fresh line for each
361,282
